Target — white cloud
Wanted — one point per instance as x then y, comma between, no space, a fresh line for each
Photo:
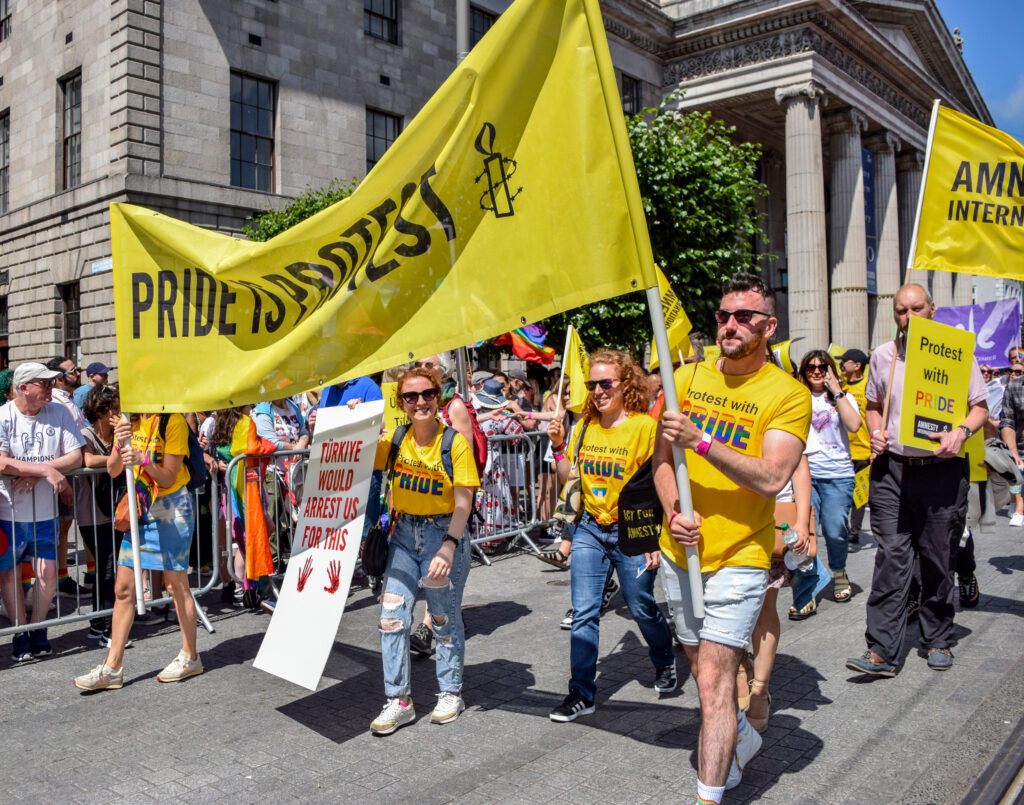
1012,106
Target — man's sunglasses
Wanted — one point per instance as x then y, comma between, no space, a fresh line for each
606,385
45,384
817,368
742,316
410,397
76,371
1017,373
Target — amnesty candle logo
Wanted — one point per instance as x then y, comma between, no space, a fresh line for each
498,170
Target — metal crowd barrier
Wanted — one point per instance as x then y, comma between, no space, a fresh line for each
80,520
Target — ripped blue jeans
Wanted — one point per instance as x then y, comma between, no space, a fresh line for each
414,542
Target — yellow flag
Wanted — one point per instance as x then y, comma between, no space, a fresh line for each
511,196
676,322
861,486
576,368
836,351
972,210
712,352
781,352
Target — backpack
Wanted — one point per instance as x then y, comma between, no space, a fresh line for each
479,443
446,449
194,460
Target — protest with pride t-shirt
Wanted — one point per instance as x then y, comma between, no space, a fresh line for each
738,525
420,484
146,439
608,458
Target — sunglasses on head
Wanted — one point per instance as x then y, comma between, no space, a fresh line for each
410,397
424,365
817,368
742,316
606,385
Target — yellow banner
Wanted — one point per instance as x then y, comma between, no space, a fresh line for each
676,322
519,166
861,485
393,413
972,213
576,367
935,382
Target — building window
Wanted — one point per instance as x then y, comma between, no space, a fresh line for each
252,133
632,96
5,19
5,161
381,130
380,19
480,22
71,90
71,318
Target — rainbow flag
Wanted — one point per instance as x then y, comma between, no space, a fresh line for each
528,344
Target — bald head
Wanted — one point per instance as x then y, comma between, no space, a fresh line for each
911,300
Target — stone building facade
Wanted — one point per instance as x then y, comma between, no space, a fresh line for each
209,110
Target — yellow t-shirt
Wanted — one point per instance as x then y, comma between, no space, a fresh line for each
420,485
608,458
738,527
860,442
146,438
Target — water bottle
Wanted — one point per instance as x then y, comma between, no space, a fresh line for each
794,560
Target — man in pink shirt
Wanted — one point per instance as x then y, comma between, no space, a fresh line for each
918,503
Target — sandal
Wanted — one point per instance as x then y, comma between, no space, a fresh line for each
760,705
808,609
555,558
744,676
841,590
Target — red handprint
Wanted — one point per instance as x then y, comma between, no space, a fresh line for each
305,573
333,572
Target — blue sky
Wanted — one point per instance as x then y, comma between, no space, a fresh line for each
991,32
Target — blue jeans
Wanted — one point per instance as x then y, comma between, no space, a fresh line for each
594,549
414,542
832,499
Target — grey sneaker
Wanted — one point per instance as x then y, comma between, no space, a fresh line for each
102,677
394,715
181,667
448,708
665,680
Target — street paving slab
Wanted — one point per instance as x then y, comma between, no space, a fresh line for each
238,735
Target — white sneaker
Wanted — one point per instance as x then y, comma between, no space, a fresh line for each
1017,520
448,708
747,744
102,677
181,667
394,715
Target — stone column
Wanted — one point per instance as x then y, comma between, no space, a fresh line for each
773,262
805,216
847,236
887,242
963,289
942,288
909,171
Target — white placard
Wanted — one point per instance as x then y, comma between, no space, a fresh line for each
325,546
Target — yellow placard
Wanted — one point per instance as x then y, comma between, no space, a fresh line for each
972,212
676,322
974,449
523,142
935,382
861,484
393,413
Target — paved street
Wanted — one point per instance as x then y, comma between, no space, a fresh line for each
240,735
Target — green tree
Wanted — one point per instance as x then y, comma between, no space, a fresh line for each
268,223
700,195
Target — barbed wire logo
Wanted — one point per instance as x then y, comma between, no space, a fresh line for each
498,170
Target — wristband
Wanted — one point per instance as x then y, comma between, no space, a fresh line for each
705,444
558,456
672,517
449,538
558,448
529,414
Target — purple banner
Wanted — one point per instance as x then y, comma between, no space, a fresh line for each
997,325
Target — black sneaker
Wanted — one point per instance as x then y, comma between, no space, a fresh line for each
572,707
40,645
969,592
566,622
610,589
913,608
21,648
665,680
89,578
422,640
70,588
227,593
95,633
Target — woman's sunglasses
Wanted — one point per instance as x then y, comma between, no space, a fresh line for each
410,397
817,368
606,385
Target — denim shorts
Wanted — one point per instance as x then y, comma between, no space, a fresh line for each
732,603
30,539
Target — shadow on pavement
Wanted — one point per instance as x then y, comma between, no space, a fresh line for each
487,618
1007,564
